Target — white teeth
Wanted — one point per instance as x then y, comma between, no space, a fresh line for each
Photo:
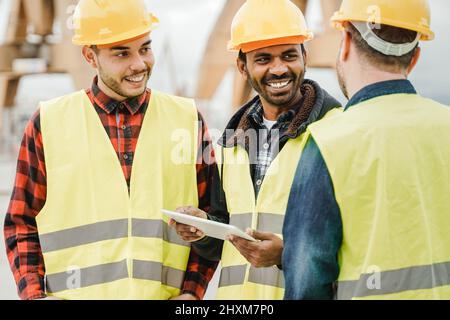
135,78
279,85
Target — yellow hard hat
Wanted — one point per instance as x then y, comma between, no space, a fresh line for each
263,23
105,22
406,14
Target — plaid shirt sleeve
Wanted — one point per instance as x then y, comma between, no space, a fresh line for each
20,229
199,270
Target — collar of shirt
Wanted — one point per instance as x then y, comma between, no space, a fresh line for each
381,89
256,116
108,104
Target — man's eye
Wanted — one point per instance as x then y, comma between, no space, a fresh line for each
122,54
262,60
290,57
146,50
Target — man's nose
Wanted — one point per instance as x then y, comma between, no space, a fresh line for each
138,63
278,68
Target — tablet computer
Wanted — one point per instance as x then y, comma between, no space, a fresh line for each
210,228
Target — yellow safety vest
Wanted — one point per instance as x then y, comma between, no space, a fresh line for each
99,240
389,160
239,280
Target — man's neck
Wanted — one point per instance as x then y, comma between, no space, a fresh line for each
272,112
109,92
368,77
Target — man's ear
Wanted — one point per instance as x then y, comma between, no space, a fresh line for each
90,56
242,67
345,46
414,60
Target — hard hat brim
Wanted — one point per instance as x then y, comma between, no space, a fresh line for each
248,47
124,37
338,19
255,45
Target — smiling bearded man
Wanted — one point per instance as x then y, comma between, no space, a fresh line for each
96,168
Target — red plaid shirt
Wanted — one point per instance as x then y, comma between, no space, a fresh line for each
122,122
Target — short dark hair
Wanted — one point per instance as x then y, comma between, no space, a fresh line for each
243,56
95,49
390,34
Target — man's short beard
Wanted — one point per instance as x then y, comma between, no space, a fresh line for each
340,75
341,80
115,86
256,86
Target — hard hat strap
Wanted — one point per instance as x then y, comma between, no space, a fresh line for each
380,45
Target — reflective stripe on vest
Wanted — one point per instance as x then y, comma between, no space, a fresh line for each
109,230
389,160
81,278
74,237
148,270
156,229
144,270
235,275
267,222
394,281
91,220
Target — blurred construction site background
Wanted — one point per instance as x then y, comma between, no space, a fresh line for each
38,62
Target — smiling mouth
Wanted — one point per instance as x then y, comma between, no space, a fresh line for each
278,84
136,78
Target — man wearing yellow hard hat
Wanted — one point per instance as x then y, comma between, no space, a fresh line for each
372,217
97,166
260,149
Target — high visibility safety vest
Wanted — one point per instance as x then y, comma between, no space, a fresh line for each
99,239
389,160
239,280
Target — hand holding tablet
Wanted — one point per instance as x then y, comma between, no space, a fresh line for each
210,228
